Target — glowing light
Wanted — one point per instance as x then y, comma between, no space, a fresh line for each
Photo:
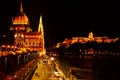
52,58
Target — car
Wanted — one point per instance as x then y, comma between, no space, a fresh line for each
44,61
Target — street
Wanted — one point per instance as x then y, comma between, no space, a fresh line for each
47,71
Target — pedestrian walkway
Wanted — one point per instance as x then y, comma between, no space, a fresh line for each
60,71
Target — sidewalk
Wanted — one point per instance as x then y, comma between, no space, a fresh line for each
60,71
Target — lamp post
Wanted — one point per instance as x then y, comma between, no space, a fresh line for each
25,63
18,59
3,48
24,59
28,57
5,64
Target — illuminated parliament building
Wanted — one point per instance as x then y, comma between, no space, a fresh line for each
24,37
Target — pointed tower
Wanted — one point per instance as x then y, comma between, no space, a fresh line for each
42,42
20,25
20,21
90,36
21,7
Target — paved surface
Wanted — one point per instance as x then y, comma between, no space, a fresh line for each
47,71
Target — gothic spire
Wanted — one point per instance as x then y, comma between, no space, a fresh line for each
21,7
40,28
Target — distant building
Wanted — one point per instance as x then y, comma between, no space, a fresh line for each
90,38
24,37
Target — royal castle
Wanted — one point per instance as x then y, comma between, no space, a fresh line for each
90,38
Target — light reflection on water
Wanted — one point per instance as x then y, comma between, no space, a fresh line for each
102,68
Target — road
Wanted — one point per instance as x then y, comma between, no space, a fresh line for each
46,71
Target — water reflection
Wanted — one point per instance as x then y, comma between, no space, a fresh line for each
96,67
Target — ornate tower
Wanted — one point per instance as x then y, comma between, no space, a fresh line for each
42,42
20,21
90,36
20,24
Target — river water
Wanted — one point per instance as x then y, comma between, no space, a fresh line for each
96,68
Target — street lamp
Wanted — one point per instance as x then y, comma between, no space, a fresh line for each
3,48
52,58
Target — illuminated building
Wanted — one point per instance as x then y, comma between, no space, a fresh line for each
87,39
24,37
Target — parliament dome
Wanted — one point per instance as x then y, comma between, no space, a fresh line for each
20,18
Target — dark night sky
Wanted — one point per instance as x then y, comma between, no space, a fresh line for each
65,19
